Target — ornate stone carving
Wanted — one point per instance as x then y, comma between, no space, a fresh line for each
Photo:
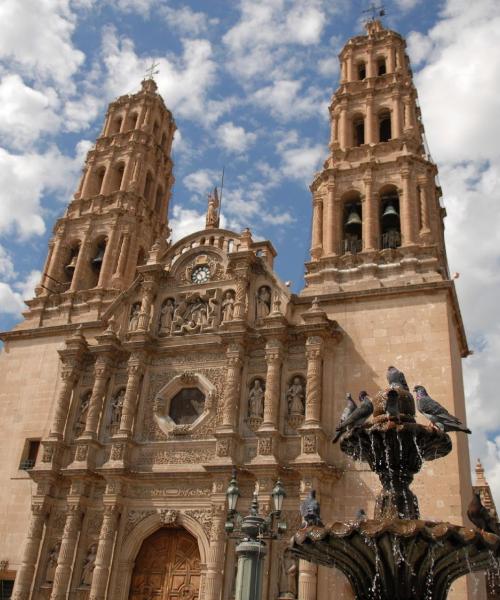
309,444
264,447
166,317
48,452
135,314
296,396
81,417
175,457
168,517
116,410
117,451
81,452
222,448
196,313
256,398
51,565
88,566
263,304
134,517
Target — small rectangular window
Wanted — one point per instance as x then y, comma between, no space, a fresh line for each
29,455
6,587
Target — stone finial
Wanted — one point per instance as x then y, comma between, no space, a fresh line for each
149,86
246,239
212,218
480,478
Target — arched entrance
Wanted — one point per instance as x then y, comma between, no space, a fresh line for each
167,567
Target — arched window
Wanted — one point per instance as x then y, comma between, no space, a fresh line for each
358,129
361,71
98,258
381,66
148,187
159,198
132,120
70,266
97,180
384,126
116,125
390,224
352,228
117,178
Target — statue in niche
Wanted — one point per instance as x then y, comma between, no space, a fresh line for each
167,316
89,566
116,410
133,323
52,563
296,396
288,577
83,409
256,399
186,406
263,302
228,306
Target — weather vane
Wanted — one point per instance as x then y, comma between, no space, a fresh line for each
375,11
153,70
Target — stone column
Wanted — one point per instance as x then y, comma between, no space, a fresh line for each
423,203
343,133
396,111
82,262
240,300
122,258
234,361
370,217
66,552
87,183
274,358
370,65
370,137
148,289
135,371
53,263
108,175
408,124
350,67
308,580
215,559
329,222
104,552
390,61
24,578
101,373
314,354
107,263
343,68
317,222
407,224
69,375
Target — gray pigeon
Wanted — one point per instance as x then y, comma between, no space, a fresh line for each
310,511
437,414
358,416
396,378
361,515
350,407
392,403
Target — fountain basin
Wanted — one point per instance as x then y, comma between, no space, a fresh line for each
398,559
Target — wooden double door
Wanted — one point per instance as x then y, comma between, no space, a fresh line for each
167,567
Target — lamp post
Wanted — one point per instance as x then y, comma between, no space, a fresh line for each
252,530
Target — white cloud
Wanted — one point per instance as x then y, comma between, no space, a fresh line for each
186,21
234,138
287,101
6,265
12,296
183,81
202,181
303,161
35,36
407,4
25,178
25,113
185,221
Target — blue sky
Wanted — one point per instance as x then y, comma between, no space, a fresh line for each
249,83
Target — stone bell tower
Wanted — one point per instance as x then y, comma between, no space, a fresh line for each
119,209
377,218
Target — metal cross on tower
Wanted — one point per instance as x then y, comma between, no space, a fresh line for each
152,70
375,11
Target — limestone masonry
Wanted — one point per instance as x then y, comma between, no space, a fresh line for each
144,370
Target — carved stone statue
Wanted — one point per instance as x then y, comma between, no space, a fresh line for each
195,314
83,409
89,566
296,396
228,306
263,302
116,410
256,399
288,577
167,316
52,563
133,323
212,218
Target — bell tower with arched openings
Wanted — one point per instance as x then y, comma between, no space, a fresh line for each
120,207
377,218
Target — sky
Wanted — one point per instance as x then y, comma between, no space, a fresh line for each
249,82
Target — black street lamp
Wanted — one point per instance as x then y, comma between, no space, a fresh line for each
252,530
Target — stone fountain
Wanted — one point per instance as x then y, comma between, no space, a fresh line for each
397,555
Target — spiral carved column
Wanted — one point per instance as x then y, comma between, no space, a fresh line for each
215,560
314,354
69,376
274,357
66,553
135,371
26,571
101,372
240,303
104,552
234,361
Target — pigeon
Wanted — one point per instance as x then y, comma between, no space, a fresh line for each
350,407
392,403
437,414
358,416
396,378
480,516
361,515
310,511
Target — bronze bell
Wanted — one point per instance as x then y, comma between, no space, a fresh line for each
99,257
71,266
353,218
390,212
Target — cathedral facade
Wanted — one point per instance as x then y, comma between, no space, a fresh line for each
145,371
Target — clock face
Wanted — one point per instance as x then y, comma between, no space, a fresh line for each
200,274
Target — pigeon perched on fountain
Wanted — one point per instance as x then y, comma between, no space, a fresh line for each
358,417
350,407
310,510
392,403
361,515
481,517
396,378
438,415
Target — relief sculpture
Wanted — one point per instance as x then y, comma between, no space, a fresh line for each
195,314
